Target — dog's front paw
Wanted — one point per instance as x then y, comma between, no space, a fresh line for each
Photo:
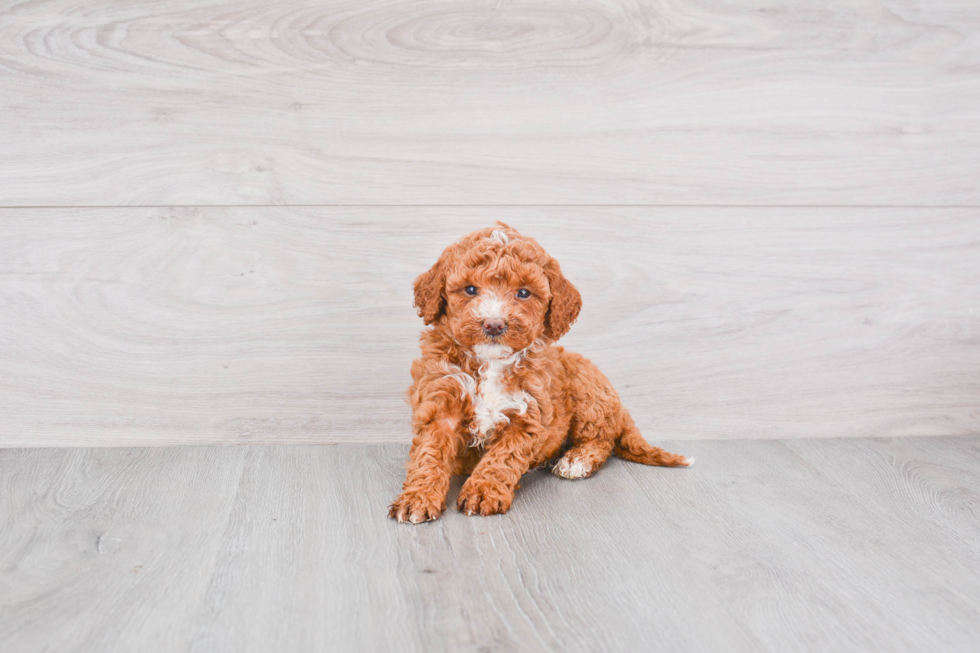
415,507
484,499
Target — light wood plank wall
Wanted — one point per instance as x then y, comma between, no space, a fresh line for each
490,102
211,212
267,324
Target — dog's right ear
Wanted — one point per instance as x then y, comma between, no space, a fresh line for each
430,298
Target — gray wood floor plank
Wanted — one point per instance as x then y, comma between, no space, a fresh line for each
816,545
825,551
486,102
289,325
125,538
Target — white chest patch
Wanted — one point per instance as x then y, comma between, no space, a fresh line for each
490,401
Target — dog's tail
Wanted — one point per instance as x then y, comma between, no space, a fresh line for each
633,447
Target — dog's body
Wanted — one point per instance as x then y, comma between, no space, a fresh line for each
492,396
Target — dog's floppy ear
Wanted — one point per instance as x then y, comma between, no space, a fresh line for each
565,302
430,300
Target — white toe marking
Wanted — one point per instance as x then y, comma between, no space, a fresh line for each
572,467
689,460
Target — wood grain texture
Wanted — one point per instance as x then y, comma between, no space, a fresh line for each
816,545
487,102
290,325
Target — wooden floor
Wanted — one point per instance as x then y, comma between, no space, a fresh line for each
816,545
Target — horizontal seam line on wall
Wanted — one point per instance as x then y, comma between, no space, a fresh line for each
491,206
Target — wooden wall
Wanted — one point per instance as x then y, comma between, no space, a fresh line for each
211,212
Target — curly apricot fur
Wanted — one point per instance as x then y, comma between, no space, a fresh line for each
494,406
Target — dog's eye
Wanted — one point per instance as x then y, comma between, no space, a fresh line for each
470,290
523,293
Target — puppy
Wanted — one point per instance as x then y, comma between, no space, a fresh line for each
492,396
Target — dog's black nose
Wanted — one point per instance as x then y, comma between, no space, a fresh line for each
494,326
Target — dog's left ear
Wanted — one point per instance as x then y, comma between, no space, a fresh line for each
566,302
430,301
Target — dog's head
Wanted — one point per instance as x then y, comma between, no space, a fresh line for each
496,291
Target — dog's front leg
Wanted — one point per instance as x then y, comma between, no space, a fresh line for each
490,488
435,448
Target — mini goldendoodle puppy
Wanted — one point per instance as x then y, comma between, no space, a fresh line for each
492,396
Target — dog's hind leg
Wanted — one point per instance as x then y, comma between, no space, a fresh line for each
592,434
582,460
593,443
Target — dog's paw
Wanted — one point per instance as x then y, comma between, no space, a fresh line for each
573,467
414,508
484,499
